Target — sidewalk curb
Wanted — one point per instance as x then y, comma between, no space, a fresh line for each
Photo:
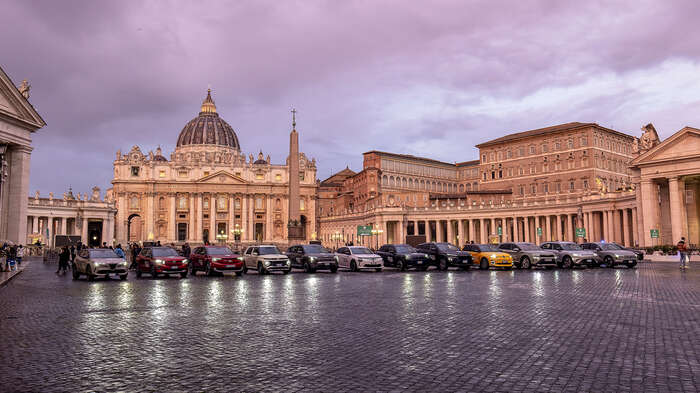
2,284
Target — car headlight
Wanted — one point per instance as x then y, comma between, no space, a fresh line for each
493,256
123,263
312,259
337,260
426,255
450,259
185,261
267,263
159,262
288,262
215,259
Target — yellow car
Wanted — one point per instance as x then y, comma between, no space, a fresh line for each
487,255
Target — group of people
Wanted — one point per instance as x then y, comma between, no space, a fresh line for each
13,256
66,256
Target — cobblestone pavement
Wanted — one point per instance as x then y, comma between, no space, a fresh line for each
584,330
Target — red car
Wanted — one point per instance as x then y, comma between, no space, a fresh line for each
160,260
215,260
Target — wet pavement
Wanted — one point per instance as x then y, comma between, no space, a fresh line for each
516,331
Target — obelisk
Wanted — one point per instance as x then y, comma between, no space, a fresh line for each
294,226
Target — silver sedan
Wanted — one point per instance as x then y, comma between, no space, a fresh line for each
99,262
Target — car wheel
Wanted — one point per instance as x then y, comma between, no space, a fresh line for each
609,262
183,274
442,265
525,263
122,277
567,263
401,265
138,272
76,274
261,269
484,264
245,269
334,269
353,266
88,273
153,272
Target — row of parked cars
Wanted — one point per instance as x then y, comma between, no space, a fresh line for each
265,259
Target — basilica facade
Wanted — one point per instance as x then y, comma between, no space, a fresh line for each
208,191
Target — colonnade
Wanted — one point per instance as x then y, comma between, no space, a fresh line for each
68,225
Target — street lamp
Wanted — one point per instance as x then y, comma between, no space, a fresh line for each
336,236
237,231
377,232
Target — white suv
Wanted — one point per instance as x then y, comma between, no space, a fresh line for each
358,258
266,258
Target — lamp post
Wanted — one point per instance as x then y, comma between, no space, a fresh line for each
237,235
336,236
377,232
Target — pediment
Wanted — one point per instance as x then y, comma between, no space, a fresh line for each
683,144
221,177
14,105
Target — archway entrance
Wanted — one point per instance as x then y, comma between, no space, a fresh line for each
134,226
94,231
181,232
259,234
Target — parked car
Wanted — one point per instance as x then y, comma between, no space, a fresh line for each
99,262
611,254
215,260
488,255
403,256
570,254
444,255
358,258
638,253
526,255
160,260
266,258
312,257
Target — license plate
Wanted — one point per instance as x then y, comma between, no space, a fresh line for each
230,265
174,267
420,262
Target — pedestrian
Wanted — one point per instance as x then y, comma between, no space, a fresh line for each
20,255
186,251
72,253
683,253
63,258
104,245
134,253
119,251
158,243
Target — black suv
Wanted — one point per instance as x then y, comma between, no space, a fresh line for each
312,257
444,255
403,256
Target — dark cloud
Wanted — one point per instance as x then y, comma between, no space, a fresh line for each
392,75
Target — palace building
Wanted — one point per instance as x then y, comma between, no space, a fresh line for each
209,191
571,181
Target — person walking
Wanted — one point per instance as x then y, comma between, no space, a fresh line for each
63,258
119,251
72,253
135,250
186,251
683,253
20,255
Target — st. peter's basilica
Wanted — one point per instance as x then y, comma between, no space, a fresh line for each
208,191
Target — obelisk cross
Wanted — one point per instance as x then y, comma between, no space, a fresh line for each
294,119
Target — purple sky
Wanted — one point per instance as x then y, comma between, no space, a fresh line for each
401,76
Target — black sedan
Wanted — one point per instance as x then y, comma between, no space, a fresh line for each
312,257
403,256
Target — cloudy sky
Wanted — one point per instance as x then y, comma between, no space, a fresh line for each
425,78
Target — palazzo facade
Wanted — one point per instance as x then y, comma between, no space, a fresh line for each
209,191
18,121
537,185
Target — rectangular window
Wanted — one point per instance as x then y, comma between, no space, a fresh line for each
258,203
585,184
545,188
522,152
521,190
544,148
206,173
182,173
571,143
161,173
533,189
278,177
557,145
571,185
532,149
259,176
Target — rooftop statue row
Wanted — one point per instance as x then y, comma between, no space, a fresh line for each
69,196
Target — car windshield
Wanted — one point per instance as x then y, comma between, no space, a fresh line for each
610,246
164,252
219,251
268,250
447,247
528,247
405,249
314,249
106,253
571,246
360,250
487,247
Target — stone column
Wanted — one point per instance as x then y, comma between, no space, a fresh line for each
192,227
268,218
172,224
461,241
212,218
482,230
635,228
625,228
558,228
526,229
17,191
244,217
676,202
571,230
199,217
427,231
251,218
150,216
548,225
516,230
606,225
472,231
231,218
84,231
49,225
450,231
438,231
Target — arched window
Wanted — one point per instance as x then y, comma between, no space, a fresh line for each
385,180
404,183
469,187
205,204
461,188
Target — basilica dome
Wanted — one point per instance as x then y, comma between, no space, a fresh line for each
208,128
